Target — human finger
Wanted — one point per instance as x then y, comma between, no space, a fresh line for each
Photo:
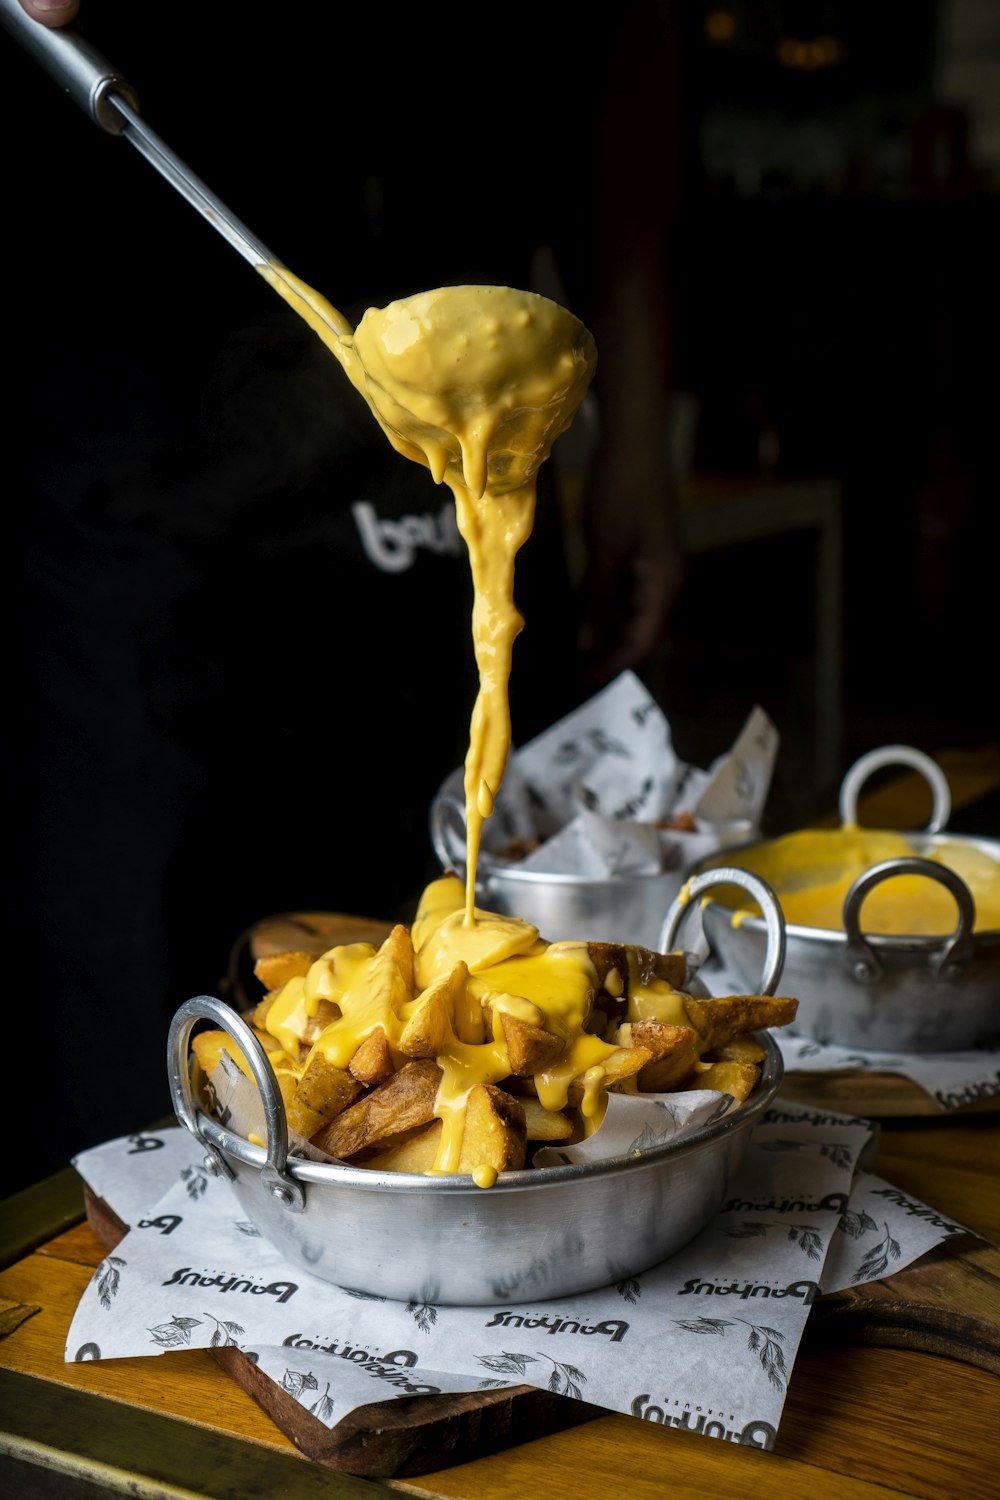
52,12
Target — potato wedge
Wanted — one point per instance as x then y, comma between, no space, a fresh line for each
373,1062
399,947
431,1022
619,1070
741,1049
322,1093
530,1049
719,1020
402,1102
736,1078
275,969
673,1053
617,964
495,1136
495,1132
545,1124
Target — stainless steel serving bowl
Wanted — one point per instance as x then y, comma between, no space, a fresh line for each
610,908
546,1232
873,991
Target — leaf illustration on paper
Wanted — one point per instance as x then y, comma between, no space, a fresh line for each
195,1180
567,1380
839,1154
225,1334
365,1296
423,1314
704,1325
856,1223
747,1230
766,1343
245,1227
492,1385
176,1334
323,1408
802,1235
297,1381
507,1364
628,1288
876,1262
807,1239
650,1137
108,1278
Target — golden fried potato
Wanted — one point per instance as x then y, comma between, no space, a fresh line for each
431,1023
736,1078
673,1053
616,963
530,1049
322,1093
399,947
619,1070
545,1124
402,1102
719,1020
275,969
744,1049
495,1136
373,1062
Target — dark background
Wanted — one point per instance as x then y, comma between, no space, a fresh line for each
832,185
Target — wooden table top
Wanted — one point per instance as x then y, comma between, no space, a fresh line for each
861,1419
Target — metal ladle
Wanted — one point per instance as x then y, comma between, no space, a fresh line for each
521,442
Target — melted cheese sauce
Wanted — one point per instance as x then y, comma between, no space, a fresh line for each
476,383
499,966
812,871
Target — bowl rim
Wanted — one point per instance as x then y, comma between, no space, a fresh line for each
528,1179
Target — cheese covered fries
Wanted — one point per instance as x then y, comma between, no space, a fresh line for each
450,1047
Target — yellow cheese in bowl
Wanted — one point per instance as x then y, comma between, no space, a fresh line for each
812,870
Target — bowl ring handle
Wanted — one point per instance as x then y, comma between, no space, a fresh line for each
448,833
699,885
274,1174
862,962
896,755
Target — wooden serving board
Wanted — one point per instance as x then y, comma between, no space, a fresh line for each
880,1096
948,1304
389,1439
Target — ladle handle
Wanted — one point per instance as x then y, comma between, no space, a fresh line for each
76,65
111,102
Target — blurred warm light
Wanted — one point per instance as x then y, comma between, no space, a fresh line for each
720,26
821,52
